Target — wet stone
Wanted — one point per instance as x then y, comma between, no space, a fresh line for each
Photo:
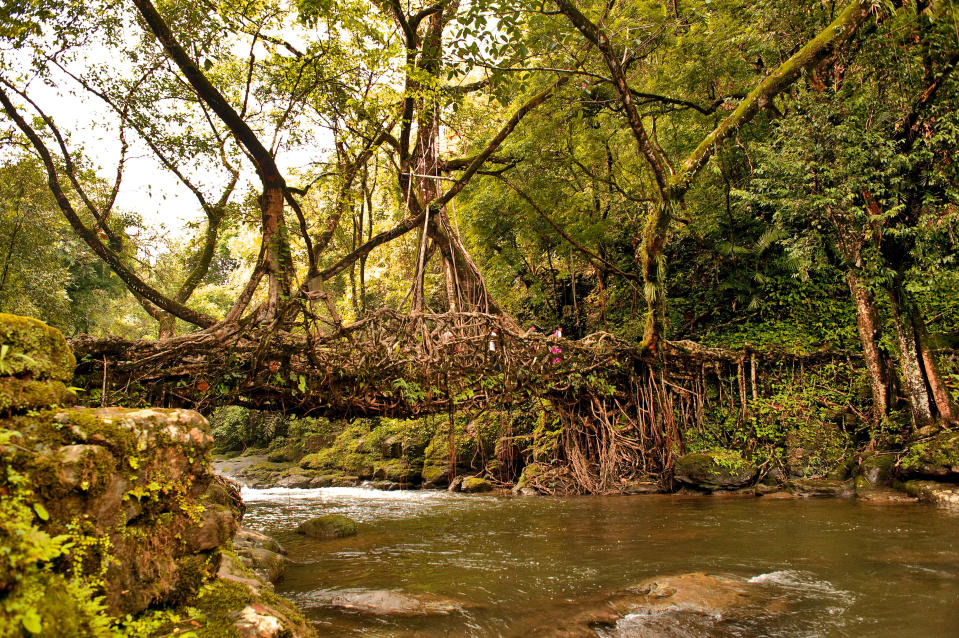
388,602
714,470
329,526
821,488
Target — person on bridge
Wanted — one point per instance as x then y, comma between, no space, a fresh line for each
493,347
555,350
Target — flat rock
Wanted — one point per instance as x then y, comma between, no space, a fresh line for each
884,496
390,602
294,481
779,496
641,487
943,494
821,488
697,594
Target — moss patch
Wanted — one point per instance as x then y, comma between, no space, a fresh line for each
329,526
714,469
936,457
31,348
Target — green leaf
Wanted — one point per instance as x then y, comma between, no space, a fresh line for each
32,622
43,514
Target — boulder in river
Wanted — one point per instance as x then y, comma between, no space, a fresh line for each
714,470
658,600
267,565
295,480
876,468
261,554
473,485
329,526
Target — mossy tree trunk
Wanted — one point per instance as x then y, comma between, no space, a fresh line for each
672,185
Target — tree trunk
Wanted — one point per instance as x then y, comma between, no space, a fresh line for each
877,363
910,362
943,402
277,252
167,326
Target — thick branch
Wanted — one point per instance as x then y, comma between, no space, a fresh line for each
812,53
399,230
265,164
132,281
495,143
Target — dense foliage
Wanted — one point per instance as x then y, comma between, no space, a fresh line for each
771,174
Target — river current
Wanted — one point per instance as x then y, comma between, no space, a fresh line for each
501,566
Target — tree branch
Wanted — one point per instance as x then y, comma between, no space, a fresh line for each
495,143
133,282
845,24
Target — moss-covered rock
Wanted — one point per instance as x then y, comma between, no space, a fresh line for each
936,457
816,449
111,521
523,485
237,604
30,348
714,470
396,470
945,494
473,485
877,468
821,488
329,526
132,491
20,395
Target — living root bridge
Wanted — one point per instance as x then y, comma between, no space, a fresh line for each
621,412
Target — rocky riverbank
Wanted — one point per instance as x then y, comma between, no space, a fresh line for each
112,522
408,456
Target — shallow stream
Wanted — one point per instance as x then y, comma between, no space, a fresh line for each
501,566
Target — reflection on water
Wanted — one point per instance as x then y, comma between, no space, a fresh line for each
479,565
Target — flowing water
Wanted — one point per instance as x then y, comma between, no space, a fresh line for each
498,566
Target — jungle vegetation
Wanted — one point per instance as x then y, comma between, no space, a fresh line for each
771,174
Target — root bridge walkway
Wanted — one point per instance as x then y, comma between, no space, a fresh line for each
621,410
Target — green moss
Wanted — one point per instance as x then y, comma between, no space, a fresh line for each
714,469
937,457
472,484
329,526
529,473
435,474
396,470
327,459
32,348
817,448
18,395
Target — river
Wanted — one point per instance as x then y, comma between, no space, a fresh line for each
502,566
